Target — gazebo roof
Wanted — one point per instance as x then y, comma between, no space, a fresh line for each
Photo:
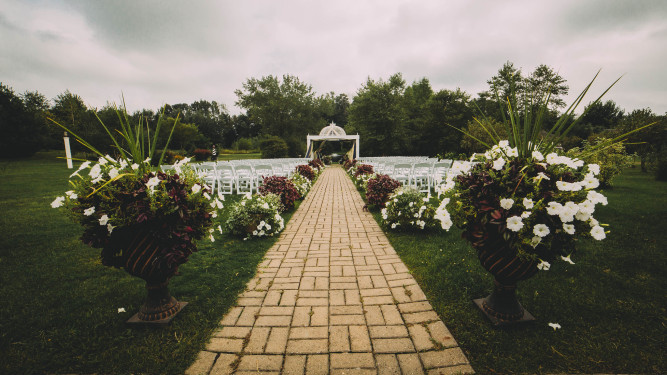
332,130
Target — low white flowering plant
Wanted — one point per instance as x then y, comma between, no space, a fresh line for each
301,183
408,209
539,205
256,216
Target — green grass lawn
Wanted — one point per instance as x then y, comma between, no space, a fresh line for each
60,305
611,304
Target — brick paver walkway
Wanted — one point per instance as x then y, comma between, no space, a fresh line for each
332,296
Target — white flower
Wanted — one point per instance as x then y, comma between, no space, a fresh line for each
121,310
446,223
514,223
553,158
525,214
582,216
498,164
218,203
205,194
196,188
147,160
541,230
152,183
528,203
261,224
384,213
261,233
512,152
265,205
594,168
70,194
586,207
104,219
506,203
221,196
544,266
135,166
95,171
393,226
254,232
554,208
538,156
598,233
592,222
113,173
504,143
123,163
110,228
89,211
590,182
211,238
535,241
567,259
568,228
220,229
102,160
57,202
267,227
555,326
541,176
596,198
213,214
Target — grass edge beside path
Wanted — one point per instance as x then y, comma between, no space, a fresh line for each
60,304
611,304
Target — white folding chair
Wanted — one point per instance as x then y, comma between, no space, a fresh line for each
244,178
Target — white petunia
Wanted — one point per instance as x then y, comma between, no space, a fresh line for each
123,163
254,232
113,173
498,164
265,205
219,204
121,310
537,156
541,230
554,208
504,143
596,198
568,228
89,211
586,207
152,183
512,152
211,238
102,160
590,182
205,194
57,202
542,176
95,171
567,259
110,228
393,226
514,223
582,216
544,266
525,214
135,166
528,203
555,326
598,233
594,168
196,188
506,203
535,241
553,158
104,219
220,229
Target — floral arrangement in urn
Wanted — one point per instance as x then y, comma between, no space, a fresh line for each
145,221
522,205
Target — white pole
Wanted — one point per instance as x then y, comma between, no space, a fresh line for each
68,152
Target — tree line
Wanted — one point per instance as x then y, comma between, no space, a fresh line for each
391,116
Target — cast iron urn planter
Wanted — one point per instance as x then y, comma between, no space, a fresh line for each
139,253
502,307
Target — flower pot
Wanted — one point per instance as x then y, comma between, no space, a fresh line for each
138,252
502,306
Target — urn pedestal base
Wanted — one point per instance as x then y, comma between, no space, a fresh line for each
502,308
160,307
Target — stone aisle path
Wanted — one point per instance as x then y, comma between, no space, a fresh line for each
332,297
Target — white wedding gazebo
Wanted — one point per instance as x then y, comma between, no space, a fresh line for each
332,132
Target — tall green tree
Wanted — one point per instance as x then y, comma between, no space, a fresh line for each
415,99
377,113
445,111
647,142
69,110
19,128
285,108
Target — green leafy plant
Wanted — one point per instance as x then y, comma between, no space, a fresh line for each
256,216
407,210
301,183
611,157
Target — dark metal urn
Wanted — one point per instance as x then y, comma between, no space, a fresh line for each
138,252
501,306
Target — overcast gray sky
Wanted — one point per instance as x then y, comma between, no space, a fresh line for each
157,52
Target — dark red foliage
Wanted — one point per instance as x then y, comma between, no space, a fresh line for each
316,163
283,187
202,154
379,188
306,171
363,169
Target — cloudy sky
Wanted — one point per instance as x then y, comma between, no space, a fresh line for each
157,52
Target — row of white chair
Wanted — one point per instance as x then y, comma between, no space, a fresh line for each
424,175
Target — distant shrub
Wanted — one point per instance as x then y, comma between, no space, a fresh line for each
612,158
282,187
202,154
306,171
659,165
274,147
170,157
379,188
